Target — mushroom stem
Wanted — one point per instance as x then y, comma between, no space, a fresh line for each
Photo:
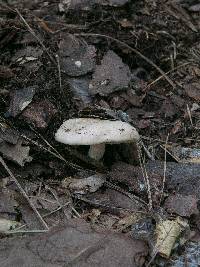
96,151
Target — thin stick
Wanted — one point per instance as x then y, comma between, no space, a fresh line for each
35,36
26,231
189,114
54,211
131,196
146,179
59,72
170,71
57,155
23,192
133,50
165,168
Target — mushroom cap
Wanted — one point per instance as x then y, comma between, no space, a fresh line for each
90,131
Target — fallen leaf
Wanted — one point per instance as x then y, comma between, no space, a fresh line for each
7,225
16,153
85,185
39,113
74,244
76,58
20,99
167,232
112,75
181,205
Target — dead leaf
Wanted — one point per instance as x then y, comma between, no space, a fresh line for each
20,99
167,232
182,205
74,244
39,113
17,153
112,75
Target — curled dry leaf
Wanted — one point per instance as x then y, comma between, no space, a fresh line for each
7,225
167,232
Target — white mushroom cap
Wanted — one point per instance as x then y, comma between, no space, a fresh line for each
90,131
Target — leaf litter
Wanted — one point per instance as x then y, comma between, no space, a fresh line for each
113,61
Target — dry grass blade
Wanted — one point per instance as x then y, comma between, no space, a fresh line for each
131,49
146,178
189,115
23,192
165,168
168,72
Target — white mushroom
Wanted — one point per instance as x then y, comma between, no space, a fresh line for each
95,133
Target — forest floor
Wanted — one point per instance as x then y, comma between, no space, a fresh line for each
137,62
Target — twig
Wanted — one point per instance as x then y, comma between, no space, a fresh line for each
54,211
189,114
57,155
59,72
131,196
23,192
161,77
149,155
133,50
35,36
26,231
165,168
146,179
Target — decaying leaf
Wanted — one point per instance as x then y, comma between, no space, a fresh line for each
20,99
7,225
17,153
86,185
167,232
182,205
112,75
76,58
184,154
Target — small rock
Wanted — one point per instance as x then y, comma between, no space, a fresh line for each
39,113
112,75
20,99
182,205
180,177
